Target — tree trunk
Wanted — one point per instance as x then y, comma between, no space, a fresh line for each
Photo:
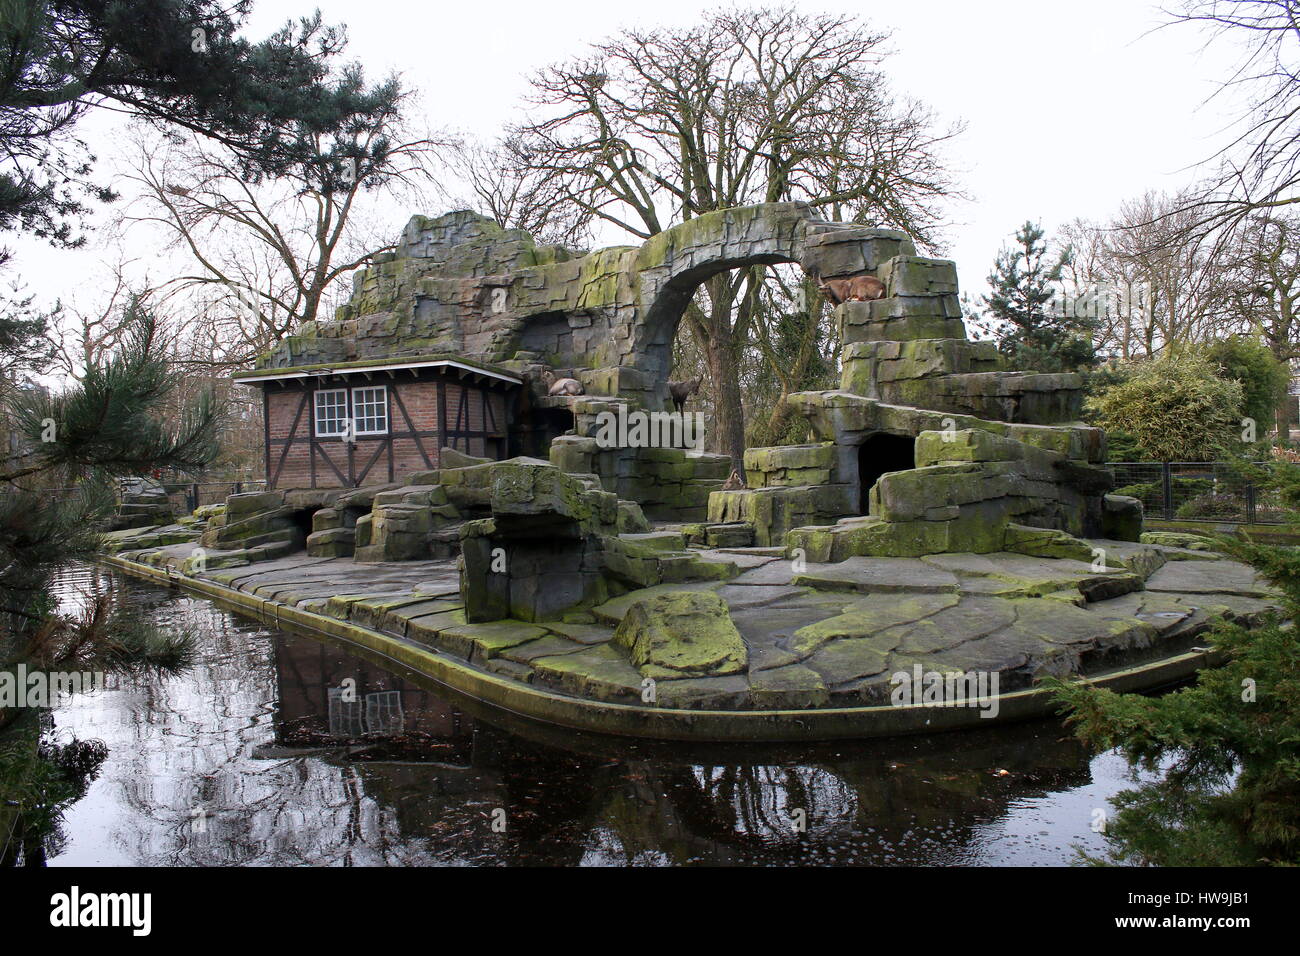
728,435
722,350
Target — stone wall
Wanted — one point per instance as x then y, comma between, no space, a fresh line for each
461,285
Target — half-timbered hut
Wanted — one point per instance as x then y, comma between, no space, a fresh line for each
370,422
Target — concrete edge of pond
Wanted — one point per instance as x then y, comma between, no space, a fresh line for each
661,723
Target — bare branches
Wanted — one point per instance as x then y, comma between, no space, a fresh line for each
268,254
749,106
1265,289
1153,286
83,337
1145,280
1259,169
504,184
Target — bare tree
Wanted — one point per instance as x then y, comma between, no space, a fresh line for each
1263,287
1259,168
500,182
658,127
268,254
1149,282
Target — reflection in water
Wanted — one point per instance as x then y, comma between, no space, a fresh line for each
278,749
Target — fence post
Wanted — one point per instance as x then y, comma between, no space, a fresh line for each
1250,502
239,488
1167,481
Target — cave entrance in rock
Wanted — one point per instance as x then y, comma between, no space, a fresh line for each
302,526
551,424
879,454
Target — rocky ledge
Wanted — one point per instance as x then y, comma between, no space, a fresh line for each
780,634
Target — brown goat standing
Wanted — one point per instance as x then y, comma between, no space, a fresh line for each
681,391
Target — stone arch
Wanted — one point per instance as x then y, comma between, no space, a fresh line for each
670,266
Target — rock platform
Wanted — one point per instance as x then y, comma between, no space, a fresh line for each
810,650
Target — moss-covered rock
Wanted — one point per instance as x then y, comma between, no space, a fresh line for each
681,634
1178,539
1045,543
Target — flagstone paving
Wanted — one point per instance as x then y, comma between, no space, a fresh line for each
816,635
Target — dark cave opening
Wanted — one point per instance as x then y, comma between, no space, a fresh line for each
879,454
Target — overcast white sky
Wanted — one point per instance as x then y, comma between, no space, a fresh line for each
1070,107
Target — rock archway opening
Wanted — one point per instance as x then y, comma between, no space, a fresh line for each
665,332
880,454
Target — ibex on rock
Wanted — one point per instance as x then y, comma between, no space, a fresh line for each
561,386
851,289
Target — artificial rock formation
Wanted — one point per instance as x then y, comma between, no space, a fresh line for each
931,444
1008,450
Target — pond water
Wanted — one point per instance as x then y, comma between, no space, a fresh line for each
265,753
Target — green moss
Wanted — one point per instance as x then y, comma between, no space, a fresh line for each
601,672
480,642
681,634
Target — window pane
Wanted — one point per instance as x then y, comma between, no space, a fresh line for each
331,411
370,409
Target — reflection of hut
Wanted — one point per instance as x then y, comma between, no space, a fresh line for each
331,692
378,712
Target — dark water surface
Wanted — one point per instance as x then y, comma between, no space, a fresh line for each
262,754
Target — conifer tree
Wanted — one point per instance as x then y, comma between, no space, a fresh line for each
1025,310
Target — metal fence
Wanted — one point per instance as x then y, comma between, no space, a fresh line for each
186,496
1197,491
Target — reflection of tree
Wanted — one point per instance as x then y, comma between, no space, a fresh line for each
39,780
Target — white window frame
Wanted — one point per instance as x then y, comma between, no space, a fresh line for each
383,391
316,412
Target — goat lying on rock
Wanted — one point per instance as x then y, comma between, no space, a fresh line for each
561,386
851,289
734,481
